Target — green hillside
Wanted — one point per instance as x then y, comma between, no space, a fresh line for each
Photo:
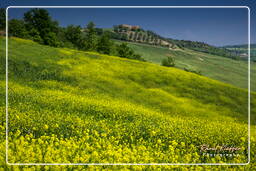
216,67
69,106
242,50
137,34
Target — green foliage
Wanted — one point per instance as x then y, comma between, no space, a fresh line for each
126,52
193,71
139,35
51,39
39,26
241,51
105,45
17,28
35,35
169,62
91,37
70,106
74,35
203,47
40,20
123,50
99,31
2,19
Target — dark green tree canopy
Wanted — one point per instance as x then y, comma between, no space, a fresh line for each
40,20
38,26
91,37
74,35
17,28
105,45
2,19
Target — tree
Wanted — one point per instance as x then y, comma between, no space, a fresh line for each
169,62
74,35
2,19
34,35
105,45
123,50
40,20
91,38
51,39
17,28
116,28
99,31
124,36
130,35
126,52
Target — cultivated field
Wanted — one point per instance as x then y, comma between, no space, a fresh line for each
212,66
69,106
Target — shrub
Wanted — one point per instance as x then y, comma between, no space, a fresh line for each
17,28
51,39
193,71
168,62
105,45
125,51
35,36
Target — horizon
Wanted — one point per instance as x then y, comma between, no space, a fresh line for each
219,28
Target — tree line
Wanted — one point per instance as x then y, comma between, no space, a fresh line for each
37,25
140,35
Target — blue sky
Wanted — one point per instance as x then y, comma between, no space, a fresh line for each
214,26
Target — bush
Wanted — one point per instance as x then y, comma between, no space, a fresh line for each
35,36
193,71
2,18
105,45
125,51
17,28
73,34
168,62
51,40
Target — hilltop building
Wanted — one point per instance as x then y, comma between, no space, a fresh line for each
129,26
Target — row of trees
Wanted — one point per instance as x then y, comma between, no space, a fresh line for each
140,35
38,26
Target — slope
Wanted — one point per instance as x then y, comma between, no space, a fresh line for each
212,66
84,107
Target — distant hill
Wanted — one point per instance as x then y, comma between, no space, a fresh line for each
206,64
239,46
242,50
137,34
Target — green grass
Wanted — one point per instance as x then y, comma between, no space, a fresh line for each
230,71
84,107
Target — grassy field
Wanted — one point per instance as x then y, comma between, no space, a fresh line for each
68,106
219,68
241,50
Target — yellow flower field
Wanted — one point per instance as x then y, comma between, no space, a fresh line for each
68,106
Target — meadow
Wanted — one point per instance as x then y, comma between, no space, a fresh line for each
69,106
212,66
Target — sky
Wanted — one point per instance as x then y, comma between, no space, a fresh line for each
216,26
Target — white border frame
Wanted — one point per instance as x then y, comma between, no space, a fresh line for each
249,90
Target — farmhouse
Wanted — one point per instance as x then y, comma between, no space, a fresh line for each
129,26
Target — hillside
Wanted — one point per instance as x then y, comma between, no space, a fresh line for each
242,51
208,65
84,107
240,46
137,34
204,47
